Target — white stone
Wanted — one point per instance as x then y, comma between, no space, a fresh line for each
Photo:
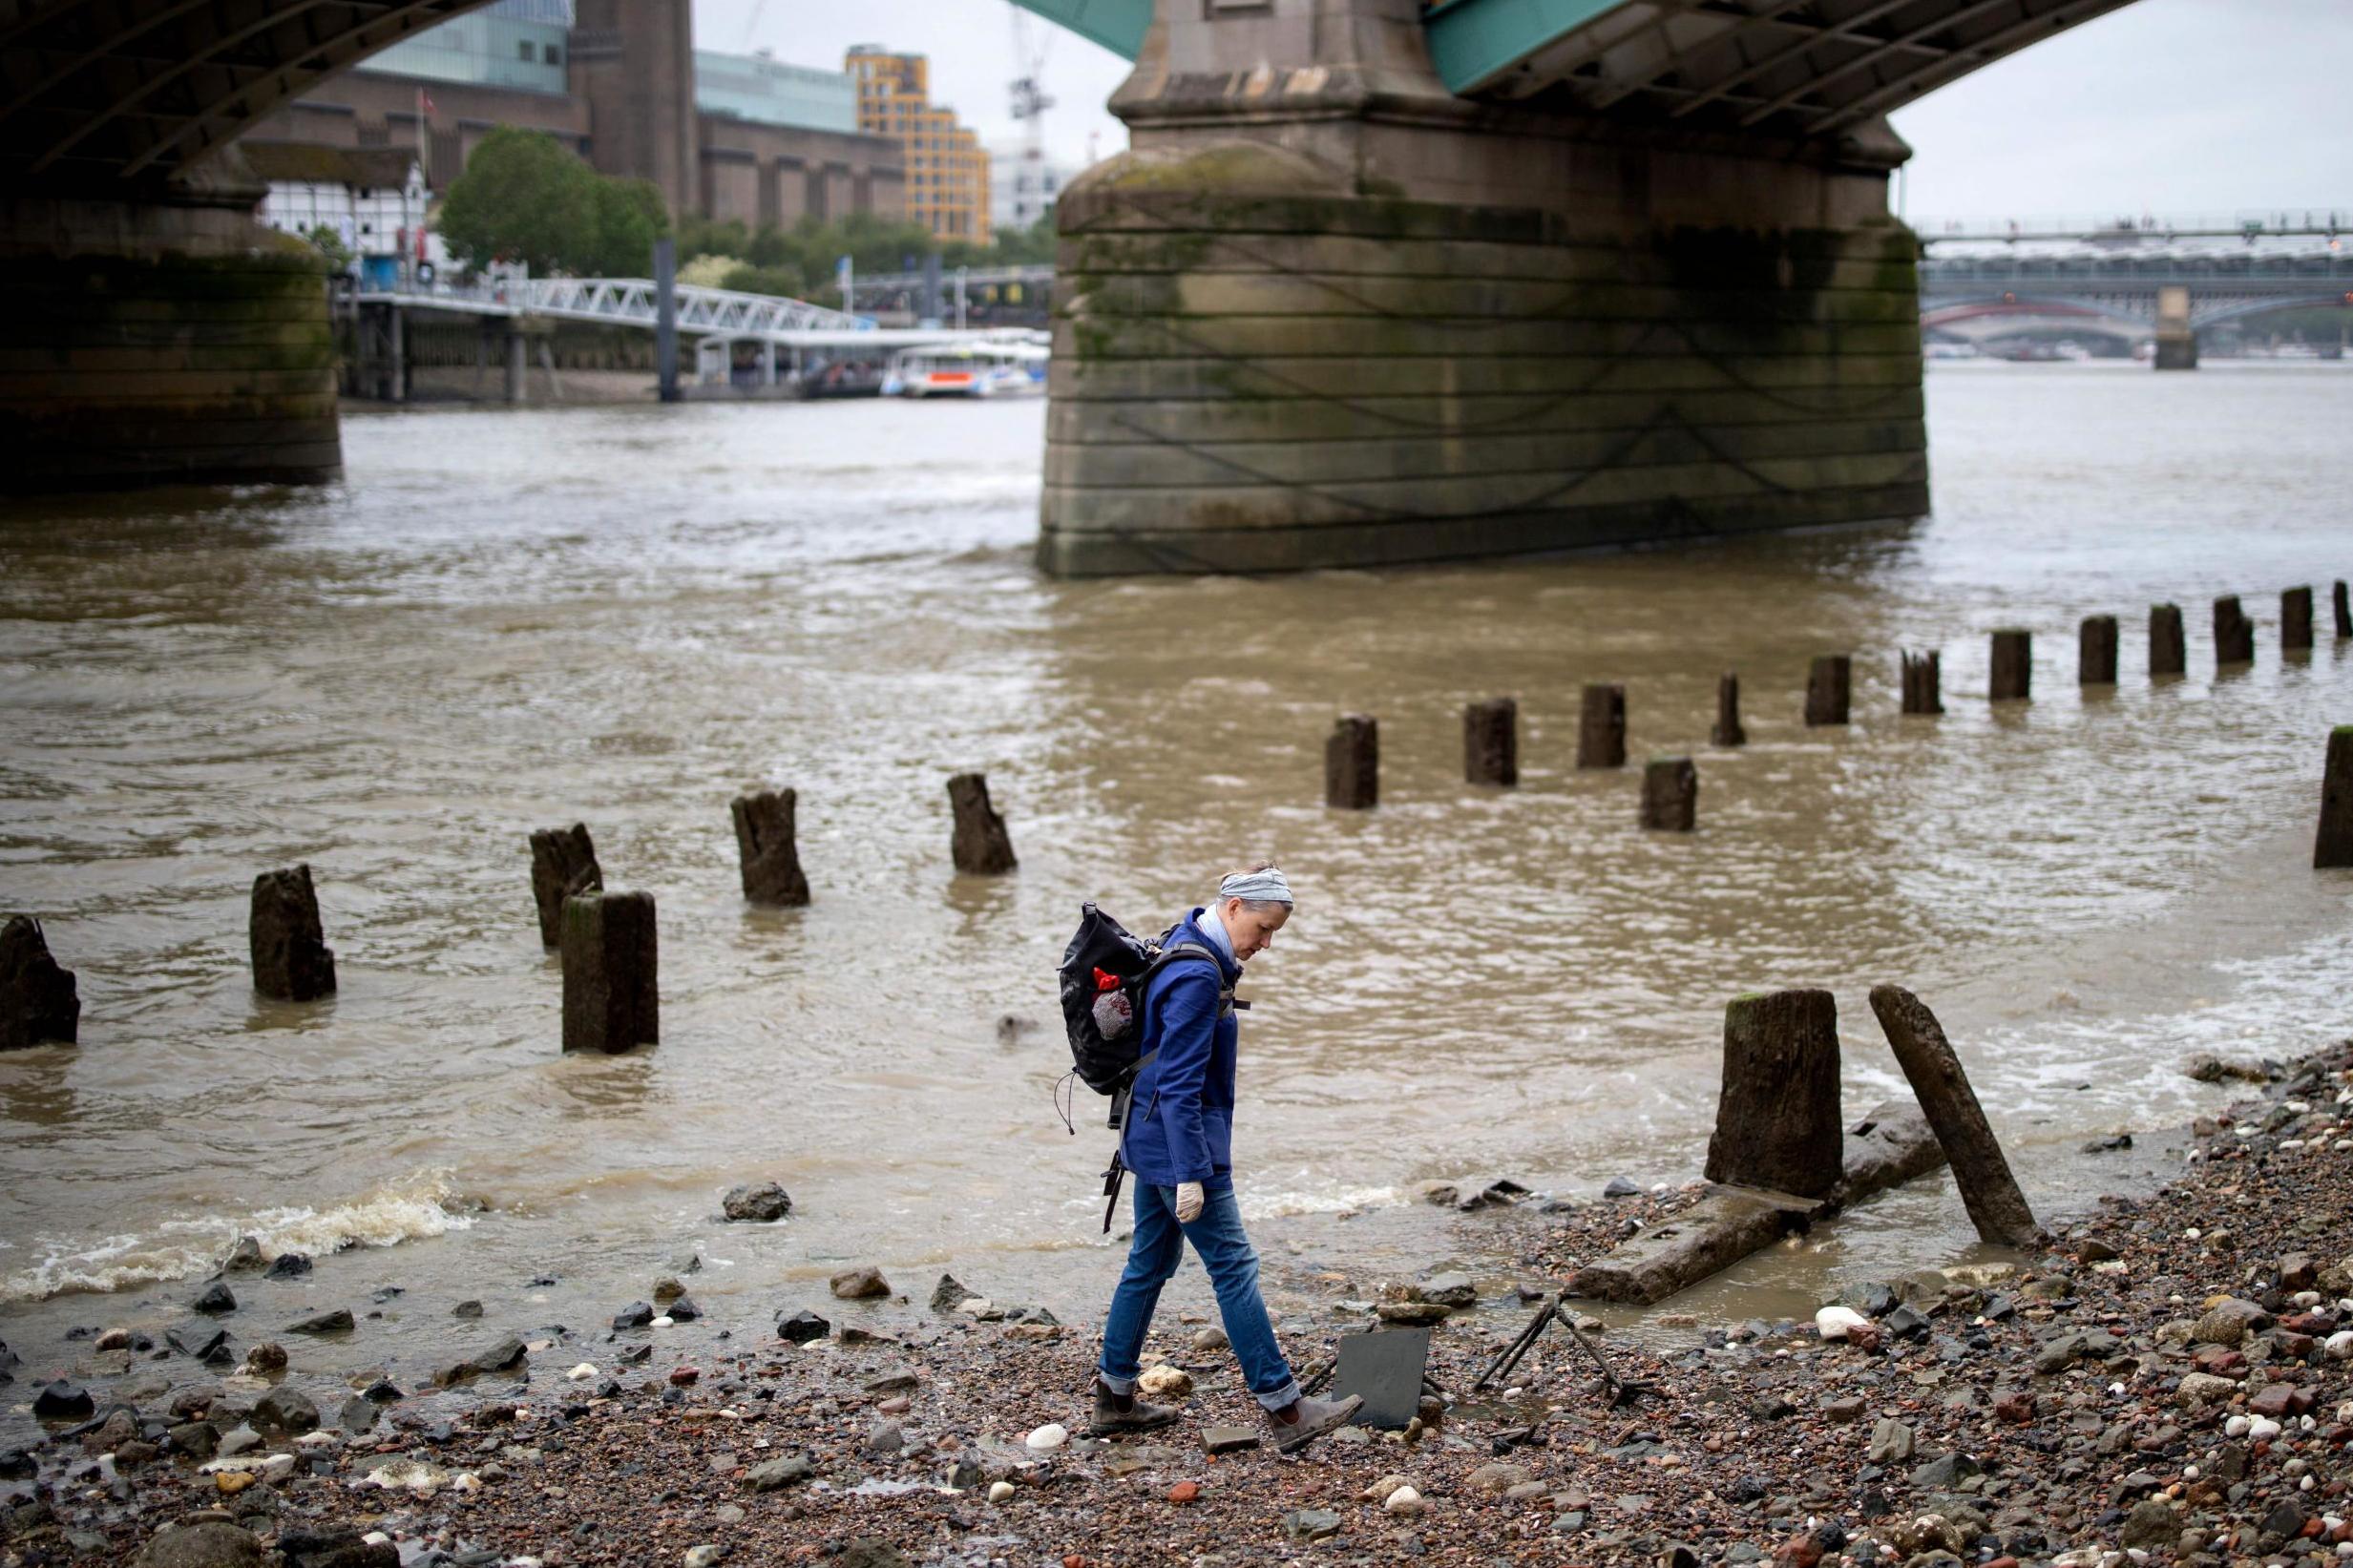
1001,1491
375,1538
705,1555
2338,1345
1166,1382
665,1321
407,1475
2234,1427
582,1373
465,1480
976,1306
1403,1500
1051,1435
2261,1429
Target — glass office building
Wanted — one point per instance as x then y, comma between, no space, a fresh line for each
521,43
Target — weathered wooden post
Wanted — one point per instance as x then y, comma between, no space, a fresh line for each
1728,731
2333,846
1829,685
1352,763
2097,652
2014,666
764,827
1923,682
2295,620
1601,727
563,861
2234,634
1777,1121
980,846
2344,606
1996,1206
37,998
1670,794
2167,650
290,957
612,991
1491,742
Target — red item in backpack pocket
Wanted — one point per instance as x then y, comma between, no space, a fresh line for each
1105,980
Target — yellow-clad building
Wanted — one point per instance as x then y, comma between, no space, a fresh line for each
947,169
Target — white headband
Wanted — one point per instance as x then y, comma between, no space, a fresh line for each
1266,886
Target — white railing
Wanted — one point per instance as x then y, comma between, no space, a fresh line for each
714,312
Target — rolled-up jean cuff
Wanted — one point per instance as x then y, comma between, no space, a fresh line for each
1281,1398
1120,1386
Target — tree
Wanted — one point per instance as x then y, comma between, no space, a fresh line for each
329,244
630,217
526,197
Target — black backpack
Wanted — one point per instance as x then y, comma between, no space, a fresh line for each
1104,975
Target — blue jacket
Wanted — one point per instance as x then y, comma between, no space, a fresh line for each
1180,1127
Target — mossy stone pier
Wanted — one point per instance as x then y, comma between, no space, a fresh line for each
1326,313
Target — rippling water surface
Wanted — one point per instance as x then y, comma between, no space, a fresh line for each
510,620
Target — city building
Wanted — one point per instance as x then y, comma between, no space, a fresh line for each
1024,182
620,82
373,199
947,169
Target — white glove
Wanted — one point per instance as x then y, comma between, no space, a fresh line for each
1190,1199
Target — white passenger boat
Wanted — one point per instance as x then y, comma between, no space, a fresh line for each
967,369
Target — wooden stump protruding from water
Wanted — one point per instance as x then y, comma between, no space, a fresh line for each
982,846
2168,651
765,824
290,957
612,977
2344,606
37,998
1728,731
1670,794
2014,666
1829,688
2234,634
1601,727
1491,742
1923,682
2333,846
1352,763
2295,620
1996,1206
1777,1121
563,861
2097,652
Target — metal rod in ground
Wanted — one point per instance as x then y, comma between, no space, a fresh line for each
2234,634
1728,731
2295,620
980,846
1491,742
2012,678
2097,652
1829,688
1996,1206
765,831
2343,607
2168,651
1923,682
1621,1392
1352,763
1669,795
290,957
612,973
563,863
1601,727
2333,845
1509,1356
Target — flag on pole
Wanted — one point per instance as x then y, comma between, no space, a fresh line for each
425,134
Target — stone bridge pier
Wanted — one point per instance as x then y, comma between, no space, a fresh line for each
157,334
1326,313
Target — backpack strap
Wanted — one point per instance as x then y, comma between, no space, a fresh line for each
1161,960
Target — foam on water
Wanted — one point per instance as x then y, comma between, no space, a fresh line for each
178,1249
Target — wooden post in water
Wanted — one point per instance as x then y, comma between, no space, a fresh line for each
2343,608
1829,684
1601,727
2295,620
1352,763
563,861
1491,742
37,998
980,846
1728,731
2168,651
765,827
1669,795
2234,634
1996,1206
2333,845
2014,666
1923,682
1776,1120
612,993
290,957
2097,652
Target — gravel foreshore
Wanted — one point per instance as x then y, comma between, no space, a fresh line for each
2173,1381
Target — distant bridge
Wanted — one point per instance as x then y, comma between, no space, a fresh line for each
2120,281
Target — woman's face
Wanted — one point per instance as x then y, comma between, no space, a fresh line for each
1253,930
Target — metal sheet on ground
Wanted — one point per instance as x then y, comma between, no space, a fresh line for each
1384,1366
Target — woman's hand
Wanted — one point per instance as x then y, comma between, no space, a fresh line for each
1189,1201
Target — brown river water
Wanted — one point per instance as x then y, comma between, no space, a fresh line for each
506,619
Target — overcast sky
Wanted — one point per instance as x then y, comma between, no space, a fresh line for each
2166,105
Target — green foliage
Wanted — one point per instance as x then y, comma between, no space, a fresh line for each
787,280
526,197
799,261
329,244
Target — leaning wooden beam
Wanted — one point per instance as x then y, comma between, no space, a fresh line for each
1996,1206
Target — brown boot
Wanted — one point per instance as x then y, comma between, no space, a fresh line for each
1124,1412
1301,1422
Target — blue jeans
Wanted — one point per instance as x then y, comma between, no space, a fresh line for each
1225,1252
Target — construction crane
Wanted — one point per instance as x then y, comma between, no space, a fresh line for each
1030,103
